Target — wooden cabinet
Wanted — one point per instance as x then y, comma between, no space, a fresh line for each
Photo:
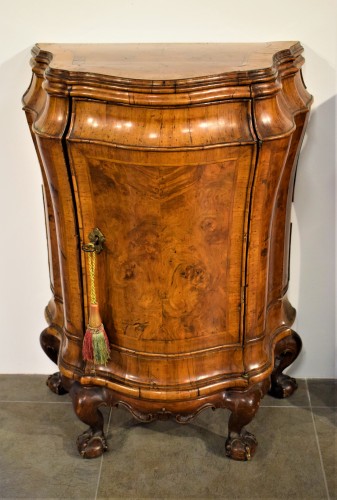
184,157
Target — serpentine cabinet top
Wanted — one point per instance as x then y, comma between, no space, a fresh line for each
165,68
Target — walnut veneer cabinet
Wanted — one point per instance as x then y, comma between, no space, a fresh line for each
184,157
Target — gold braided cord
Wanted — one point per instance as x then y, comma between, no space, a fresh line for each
92,268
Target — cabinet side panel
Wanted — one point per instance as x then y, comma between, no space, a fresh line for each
272,158
298,101
275,126
68,248
280,123
34,102
49,128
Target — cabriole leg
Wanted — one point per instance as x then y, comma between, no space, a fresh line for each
241,444
286,351
51,345
86,402
50,342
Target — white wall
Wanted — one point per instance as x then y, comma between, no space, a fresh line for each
24,279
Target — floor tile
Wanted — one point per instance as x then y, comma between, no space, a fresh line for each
27,388
39,459
299,398
326,427
38,455
323,392
167,460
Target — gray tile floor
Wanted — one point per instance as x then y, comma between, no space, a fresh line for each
296,458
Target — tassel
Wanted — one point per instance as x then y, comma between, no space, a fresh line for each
95,346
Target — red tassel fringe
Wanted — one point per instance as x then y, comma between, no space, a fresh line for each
87,348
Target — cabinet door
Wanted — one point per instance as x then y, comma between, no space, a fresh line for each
169,189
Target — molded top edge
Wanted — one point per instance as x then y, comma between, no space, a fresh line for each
166,65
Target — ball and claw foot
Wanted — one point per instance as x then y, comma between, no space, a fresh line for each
91,444
54,383
241,446
283,386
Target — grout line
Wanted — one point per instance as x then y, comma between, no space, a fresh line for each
323,406
285,406
317,442
39,402
296,406
99,477
101,464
